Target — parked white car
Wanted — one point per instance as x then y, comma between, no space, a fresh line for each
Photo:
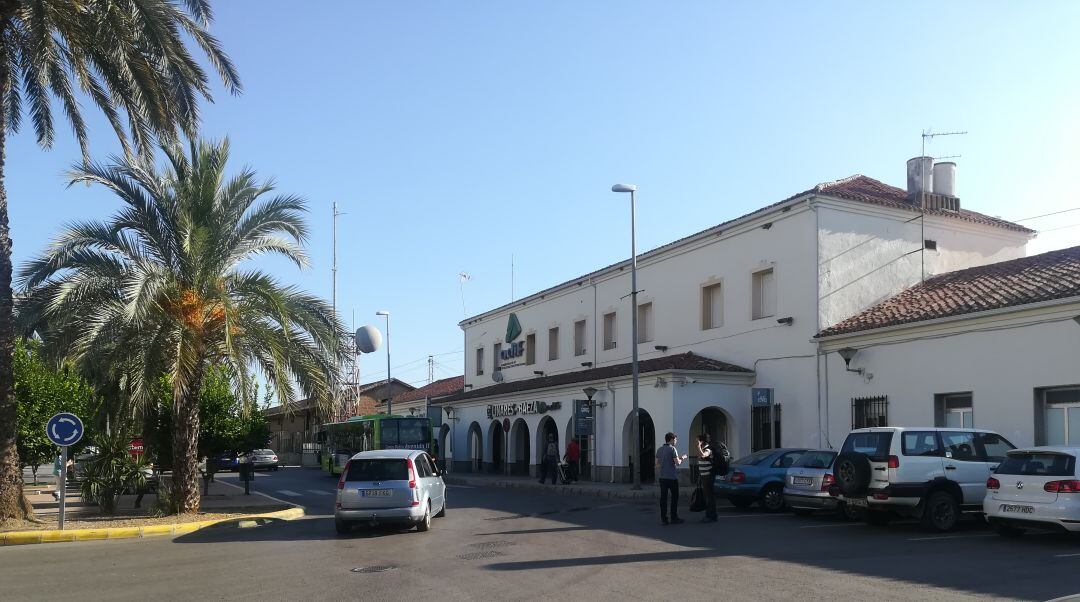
1038,488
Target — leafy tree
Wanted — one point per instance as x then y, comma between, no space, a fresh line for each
131,60
112,470
162,288
42,390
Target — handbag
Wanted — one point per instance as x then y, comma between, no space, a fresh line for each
697,500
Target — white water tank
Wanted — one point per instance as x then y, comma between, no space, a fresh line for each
945,178
920,173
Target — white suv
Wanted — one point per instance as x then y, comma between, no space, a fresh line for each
924,472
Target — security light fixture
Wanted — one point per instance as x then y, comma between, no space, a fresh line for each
766,226
589,392
788,321
848,353
661,347
586,364
538,372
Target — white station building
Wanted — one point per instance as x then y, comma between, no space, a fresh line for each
727,325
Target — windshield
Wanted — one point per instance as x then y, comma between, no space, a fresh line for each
874,445
406,433
816,459
753,458
1038,464
378,470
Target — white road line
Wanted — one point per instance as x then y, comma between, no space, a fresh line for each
462,486
952,537
832,525
319,492
1065,555
750,516
288,493
267,496
609,506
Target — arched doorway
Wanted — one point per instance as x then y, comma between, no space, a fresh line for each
476,447
520,448
443,452
545,430
640,451
713,421
497,441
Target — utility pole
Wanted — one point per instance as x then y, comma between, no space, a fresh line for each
430,369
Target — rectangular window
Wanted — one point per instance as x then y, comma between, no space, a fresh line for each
609,331
712,306
644,323
953,410
960,446
1060,416
496,352
553,344
530,349
764,294
868,412
765,422
579,337
480,361
920,443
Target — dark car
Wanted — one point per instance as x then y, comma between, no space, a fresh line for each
226,462
759,478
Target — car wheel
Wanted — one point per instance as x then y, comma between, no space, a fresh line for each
1007,530
741,502
878,518
802,511
442,511
342,526
425,523
941,511
772,498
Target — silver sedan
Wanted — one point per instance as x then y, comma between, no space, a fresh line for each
389,486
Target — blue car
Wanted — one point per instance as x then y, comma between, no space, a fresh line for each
759,478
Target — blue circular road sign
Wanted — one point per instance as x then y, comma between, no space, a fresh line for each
64,429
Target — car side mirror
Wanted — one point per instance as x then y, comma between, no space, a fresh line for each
948,454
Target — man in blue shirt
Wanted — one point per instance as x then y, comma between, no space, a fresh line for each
667,463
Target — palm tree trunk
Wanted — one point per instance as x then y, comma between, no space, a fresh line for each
186,444
13,504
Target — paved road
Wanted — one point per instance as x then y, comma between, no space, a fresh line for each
512,544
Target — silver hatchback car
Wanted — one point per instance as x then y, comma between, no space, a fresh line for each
389,486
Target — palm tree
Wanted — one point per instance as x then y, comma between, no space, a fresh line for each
163,287
127,58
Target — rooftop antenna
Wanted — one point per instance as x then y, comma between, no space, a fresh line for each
928,134
462,277
511,277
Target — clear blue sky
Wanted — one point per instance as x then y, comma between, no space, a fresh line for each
455,134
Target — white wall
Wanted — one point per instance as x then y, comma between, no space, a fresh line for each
1002,368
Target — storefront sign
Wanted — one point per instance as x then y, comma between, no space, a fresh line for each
760,398
503,410
516,349
583,418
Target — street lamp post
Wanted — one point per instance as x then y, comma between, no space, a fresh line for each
635,426
389,387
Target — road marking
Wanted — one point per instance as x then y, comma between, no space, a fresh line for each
462,486
832,525
288,493
319,492
750,516
952,537
609,506
1065,555
265,495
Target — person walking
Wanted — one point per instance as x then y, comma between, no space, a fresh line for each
706,475
572,456
550,463
667,464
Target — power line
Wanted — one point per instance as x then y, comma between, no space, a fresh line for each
1059,228
1047,214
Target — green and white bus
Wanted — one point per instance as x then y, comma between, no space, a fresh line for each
341,440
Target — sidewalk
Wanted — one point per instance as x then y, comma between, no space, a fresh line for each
622,491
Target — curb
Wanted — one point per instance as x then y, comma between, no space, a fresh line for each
19,538
650,493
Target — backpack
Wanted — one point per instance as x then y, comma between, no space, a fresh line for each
721,460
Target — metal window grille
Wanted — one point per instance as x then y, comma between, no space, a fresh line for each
869,412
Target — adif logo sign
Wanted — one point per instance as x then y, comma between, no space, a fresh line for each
513,331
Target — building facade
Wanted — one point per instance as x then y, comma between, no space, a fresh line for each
749,294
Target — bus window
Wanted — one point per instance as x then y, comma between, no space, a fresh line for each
389,433
414,433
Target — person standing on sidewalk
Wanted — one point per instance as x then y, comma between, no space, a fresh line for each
573,454
706,474
667,464
550,463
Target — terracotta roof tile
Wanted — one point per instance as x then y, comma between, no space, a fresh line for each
439,388
682,361
1045,277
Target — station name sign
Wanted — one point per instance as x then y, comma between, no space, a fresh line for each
501,410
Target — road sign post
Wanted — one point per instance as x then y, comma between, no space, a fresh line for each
64,429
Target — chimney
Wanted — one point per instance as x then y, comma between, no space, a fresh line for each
920,173
945,178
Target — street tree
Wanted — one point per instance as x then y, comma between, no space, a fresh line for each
165,286
131,60
42,389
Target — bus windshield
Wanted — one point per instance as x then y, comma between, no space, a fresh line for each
406,433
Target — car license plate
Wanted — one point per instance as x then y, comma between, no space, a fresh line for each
373,492
857,501
804,481
1017,508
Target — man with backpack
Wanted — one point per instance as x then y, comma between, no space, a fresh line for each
550,462
707,465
